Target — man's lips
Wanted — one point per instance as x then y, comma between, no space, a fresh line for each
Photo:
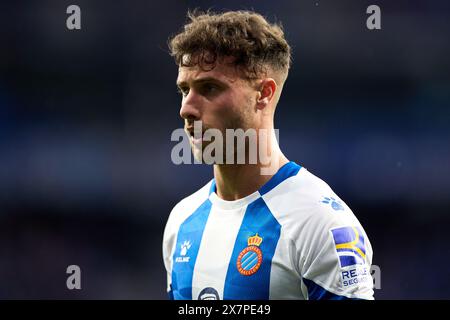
195,137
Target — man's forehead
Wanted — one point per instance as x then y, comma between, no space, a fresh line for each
189,74
222,70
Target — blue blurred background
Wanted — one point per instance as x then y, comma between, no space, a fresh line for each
86,116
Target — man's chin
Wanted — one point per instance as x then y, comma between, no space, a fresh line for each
197,152
206,158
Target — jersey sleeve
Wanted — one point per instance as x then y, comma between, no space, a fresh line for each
337,257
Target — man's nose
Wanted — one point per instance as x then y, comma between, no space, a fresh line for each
190,107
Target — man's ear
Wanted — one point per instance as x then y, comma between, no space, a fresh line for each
266,93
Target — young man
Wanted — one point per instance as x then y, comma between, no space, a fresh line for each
248,235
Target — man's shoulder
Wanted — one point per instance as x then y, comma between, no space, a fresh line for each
304,189
306,197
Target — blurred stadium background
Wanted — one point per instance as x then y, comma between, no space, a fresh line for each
86,117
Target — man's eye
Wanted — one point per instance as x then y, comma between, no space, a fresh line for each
209,88
183,91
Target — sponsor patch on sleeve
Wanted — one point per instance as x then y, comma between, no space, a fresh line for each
350,247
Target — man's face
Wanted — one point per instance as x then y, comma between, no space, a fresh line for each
220,98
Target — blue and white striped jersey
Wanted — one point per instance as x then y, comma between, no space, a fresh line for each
292,239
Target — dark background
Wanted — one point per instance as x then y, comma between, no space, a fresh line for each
86,116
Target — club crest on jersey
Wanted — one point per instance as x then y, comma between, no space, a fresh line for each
250,259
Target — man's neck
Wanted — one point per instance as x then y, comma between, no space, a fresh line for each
236,181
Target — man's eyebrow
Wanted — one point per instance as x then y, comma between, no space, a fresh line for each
201,80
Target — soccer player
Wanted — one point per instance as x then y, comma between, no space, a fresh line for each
248,235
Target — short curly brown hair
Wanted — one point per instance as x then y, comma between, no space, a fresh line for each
253,42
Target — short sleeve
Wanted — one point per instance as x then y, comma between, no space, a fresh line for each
337,261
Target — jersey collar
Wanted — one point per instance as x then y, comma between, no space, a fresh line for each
288,170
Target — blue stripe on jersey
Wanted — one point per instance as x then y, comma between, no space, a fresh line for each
212,188
170,293
189,236
257,220
316,292
286,171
